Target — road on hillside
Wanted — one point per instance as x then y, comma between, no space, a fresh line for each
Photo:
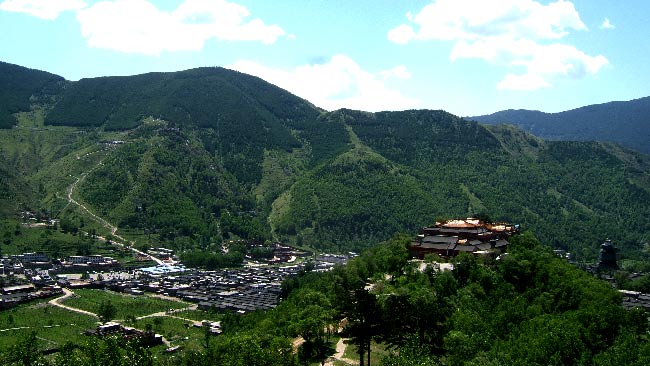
102,221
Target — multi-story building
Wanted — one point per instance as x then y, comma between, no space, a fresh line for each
452,237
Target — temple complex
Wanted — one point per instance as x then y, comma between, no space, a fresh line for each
470,235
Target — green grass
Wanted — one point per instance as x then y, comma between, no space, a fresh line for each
20,239
279,171
177,332
199,315
31,119
377,352
137,264
17,239
54,326
126,305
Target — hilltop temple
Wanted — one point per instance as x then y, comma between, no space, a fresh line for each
450,238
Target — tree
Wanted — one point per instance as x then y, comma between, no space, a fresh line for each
364,322
246,349
25,352
107,311
310,323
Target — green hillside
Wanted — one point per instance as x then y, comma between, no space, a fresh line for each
20,87
625,123
572,194
187,159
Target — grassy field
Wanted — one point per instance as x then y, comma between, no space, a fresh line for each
178,332
377,352
18,239
199,315
126,305
54,326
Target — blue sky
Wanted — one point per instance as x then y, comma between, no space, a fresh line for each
468,57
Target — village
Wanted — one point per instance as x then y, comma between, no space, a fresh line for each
256,286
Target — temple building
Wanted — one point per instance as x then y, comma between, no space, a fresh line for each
470,235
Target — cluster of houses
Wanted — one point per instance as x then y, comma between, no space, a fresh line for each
17,264
239,289
11,296
34,219
88,261
450,238
635,299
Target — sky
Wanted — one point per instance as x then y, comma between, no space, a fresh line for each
468,57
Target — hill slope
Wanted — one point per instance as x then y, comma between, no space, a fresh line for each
19,86
426,165
193,157
626,123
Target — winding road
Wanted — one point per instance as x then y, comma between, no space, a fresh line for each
67,294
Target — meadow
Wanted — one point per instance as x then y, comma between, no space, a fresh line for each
128,306
54,326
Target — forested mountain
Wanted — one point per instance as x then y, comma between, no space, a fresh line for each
192,157
626,123
18,85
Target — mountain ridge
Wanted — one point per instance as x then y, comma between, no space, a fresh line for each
624,122
204,155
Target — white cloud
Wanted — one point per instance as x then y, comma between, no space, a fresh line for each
402,34
399,72
606,24
337,83
518,34
44,9
138,26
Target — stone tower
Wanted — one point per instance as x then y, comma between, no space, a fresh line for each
607,256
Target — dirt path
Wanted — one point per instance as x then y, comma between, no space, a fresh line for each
297,342
67,294
169,314
338,356
122,241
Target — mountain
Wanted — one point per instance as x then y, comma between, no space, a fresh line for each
187,159
19,85
625,123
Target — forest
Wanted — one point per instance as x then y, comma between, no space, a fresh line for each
529,307
212,154
620,122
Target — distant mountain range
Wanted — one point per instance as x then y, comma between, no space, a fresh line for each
197,156
625,123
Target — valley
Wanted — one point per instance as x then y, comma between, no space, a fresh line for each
266,199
